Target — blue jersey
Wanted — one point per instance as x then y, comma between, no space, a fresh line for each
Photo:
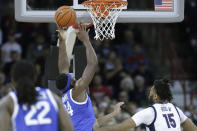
81,114
42,116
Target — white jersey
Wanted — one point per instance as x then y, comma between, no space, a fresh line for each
160,117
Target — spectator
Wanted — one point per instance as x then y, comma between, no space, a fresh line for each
8,47
35,50
123,96
104,104
2,79
8,21
131,108
15,56
104,49
1,37
125,49
140,90
98,91
127,84
137,57
113,69
143,71
3,90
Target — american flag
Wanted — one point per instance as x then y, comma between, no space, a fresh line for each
163,5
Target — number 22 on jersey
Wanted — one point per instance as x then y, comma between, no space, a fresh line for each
69,108
37,114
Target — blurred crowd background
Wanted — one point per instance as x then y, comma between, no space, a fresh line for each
127,67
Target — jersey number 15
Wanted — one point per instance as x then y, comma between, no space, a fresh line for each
170,120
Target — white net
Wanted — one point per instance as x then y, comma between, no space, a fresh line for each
104,16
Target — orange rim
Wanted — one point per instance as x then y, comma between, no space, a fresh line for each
118,3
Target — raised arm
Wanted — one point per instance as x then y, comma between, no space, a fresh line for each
63,62
104,119
92,62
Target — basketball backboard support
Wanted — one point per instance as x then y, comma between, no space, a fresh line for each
25,11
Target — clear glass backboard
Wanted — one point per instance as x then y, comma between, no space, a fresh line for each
143,11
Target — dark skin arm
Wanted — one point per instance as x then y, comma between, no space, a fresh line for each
124,126
64,119
63,62
188,125
6,110
100,121
79,93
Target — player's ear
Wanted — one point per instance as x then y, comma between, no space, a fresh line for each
157,97
73,82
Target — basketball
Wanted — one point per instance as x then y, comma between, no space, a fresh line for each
65,16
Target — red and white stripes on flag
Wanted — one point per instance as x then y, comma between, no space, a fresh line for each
164,5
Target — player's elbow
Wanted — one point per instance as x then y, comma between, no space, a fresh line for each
96,62
93,65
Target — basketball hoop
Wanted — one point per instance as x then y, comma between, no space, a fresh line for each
104,14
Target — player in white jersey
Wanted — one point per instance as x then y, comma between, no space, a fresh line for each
161,116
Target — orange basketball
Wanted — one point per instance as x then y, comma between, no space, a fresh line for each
65,16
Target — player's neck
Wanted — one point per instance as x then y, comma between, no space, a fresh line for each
160,101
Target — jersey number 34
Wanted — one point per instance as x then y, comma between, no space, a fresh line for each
34,117
69,108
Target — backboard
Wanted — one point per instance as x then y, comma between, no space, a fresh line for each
138,11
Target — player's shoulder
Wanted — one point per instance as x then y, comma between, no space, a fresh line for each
147,111
7,103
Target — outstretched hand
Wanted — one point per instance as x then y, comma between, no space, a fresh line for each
61,34
117,107
83,33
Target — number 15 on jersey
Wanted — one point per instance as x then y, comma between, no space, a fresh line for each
170,120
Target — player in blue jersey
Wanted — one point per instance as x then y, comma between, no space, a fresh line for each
161,116
74,96
31,108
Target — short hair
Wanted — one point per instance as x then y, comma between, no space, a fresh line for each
61,81
162,89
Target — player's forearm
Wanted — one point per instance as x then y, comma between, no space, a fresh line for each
91,55
63,62
188,125
105,118
89,71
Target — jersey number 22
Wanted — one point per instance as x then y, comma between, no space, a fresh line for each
32,118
